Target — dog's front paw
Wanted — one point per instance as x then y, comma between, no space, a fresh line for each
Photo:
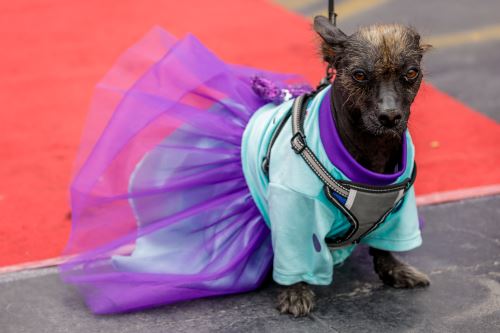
404,276
397,274
297,300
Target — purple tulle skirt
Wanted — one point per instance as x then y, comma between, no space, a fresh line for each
161,211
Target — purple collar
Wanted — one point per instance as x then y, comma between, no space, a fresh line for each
340,157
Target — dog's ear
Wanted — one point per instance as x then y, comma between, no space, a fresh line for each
333,38
423,47
420,46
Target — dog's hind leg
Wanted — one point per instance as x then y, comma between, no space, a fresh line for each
395,273
297,300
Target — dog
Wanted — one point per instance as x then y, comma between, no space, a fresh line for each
378,74
222,198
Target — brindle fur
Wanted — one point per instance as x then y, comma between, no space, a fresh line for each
385,53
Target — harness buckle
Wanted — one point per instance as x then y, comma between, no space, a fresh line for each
298,142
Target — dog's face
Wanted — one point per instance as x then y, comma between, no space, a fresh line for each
377,72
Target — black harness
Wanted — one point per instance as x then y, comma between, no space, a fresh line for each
365,207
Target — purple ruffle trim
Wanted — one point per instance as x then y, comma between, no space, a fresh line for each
270,92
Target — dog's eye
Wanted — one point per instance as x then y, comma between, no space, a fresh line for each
359,76
411,74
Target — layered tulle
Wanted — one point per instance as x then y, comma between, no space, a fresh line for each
161,211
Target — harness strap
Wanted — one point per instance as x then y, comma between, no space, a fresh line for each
267,158
300,147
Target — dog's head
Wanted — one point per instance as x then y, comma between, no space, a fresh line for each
377,72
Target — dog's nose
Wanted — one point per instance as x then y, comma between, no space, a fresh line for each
389,118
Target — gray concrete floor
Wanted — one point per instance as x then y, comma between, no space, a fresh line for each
460,253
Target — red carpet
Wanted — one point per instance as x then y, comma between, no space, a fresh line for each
55,51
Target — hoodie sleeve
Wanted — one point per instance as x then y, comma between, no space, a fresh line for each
299,225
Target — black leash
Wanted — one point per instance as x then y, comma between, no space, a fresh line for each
332,16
